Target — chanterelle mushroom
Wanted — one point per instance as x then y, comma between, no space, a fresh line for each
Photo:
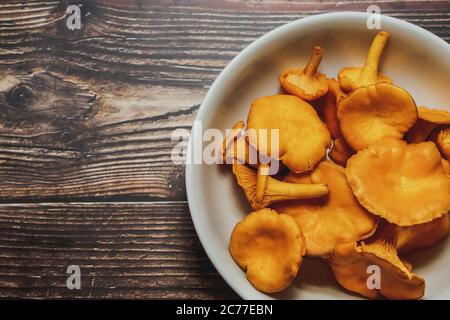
273,190
443,142
307,83
303,137
424,235
341,152
353,264
446,166
404,184
329,220
327,107
378,111
236,147
434,115
428,120
269,247
236,131
352,78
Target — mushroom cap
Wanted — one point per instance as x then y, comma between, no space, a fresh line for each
269,247
424,235
296,82
348,78
443,142
350,264
303,137
371,113
349,268
404,184
341,152
434,115
428,120
332,219
307,83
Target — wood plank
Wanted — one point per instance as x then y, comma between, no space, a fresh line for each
124,250
89,113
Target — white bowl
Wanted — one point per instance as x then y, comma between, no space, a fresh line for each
414,58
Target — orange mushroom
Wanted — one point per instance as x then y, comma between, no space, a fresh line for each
352,78
307,83
269,247
443,142
329,220
302,137
236,148
446,166
428,120
424,235
235,132
327,107
404,184
434,115
341,152
374,112
354,266
420,131
261,194
392,197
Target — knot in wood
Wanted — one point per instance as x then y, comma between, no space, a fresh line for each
20,96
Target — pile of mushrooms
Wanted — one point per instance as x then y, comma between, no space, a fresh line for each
363,179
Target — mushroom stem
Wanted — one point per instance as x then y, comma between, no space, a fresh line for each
369,72
314,61
272,189
262,177
279,191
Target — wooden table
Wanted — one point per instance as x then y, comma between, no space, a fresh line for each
86,118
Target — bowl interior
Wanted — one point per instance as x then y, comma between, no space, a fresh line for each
414,58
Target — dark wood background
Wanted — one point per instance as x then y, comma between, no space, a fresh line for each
86,118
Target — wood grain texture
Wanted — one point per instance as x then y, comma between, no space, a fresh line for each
86,118
120,85
138,250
